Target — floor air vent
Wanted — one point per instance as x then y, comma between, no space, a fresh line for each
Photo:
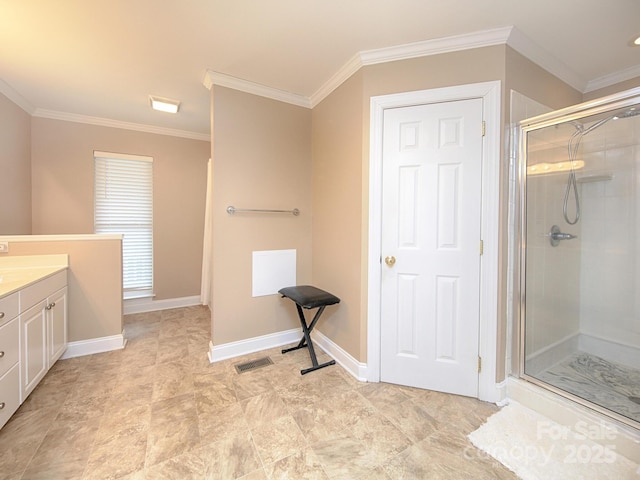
253,364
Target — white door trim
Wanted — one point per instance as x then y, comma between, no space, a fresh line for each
488,389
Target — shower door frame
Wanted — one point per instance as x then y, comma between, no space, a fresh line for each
601,105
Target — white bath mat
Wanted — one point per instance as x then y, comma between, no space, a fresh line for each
536,448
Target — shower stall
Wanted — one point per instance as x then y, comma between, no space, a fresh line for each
579,248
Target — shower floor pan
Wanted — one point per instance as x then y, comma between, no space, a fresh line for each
613,386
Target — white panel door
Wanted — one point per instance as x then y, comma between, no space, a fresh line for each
431,217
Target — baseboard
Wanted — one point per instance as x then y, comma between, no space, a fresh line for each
142,305
501,393
256,344
94,345
350,364
251,345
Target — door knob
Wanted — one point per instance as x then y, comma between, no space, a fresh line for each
390,260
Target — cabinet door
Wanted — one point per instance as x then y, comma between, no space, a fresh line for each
57,323
9,394
9,345
33,355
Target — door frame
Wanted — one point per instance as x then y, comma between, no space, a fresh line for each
490,92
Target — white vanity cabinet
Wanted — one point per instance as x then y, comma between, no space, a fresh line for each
33,324
43,329
9,357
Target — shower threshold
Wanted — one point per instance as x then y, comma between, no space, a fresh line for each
576,414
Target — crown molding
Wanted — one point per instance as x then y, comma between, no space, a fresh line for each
337,79
16,98
544,59
613,78
509,35
107,122
216,78
505,35
484,38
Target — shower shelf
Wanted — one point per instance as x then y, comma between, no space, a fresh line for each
595,178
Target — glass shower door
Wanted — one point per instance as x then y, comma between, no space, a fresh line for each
580,325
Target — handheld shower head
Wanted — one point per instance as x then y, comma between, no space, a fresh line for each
573,146
598,124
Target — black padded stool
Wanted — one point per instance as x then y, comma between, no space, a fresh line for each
306,296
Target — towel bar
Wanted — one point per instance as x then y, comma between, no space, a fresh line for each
231,210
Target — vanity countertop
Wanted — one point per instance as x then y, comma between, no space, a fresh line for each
21,271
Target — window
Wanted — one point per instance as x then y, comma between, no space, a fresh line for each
124,205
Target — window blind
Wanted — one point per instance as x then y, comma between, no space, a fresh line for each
124,205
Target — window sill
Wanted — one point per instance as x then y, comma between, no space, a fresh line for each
139,295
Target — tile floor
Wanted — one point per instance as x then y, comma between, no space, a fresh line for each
159,410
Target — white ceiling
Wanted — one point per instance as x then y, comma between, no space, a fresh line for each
101,59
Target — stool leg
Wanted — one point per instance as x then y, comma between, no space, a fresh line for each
305,341
306,331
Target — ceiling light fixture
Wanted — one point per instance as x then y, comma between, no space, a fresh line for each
164,104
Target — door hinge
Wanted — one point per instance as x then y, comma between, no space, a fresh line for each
479,364
484,128
481,247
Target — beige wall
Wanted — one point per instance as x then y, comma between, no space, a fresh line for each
94,283
261,159
610,90
15,165
446,70
339,256
529,79
62,185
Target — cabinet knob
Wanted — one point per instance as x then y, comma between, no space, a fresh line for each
1,405
1,314
50,306
1,354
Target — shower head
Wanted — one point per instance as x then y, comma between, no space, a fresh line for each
631,112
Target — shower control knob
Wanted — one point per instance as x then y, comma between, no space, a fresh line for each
555,235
